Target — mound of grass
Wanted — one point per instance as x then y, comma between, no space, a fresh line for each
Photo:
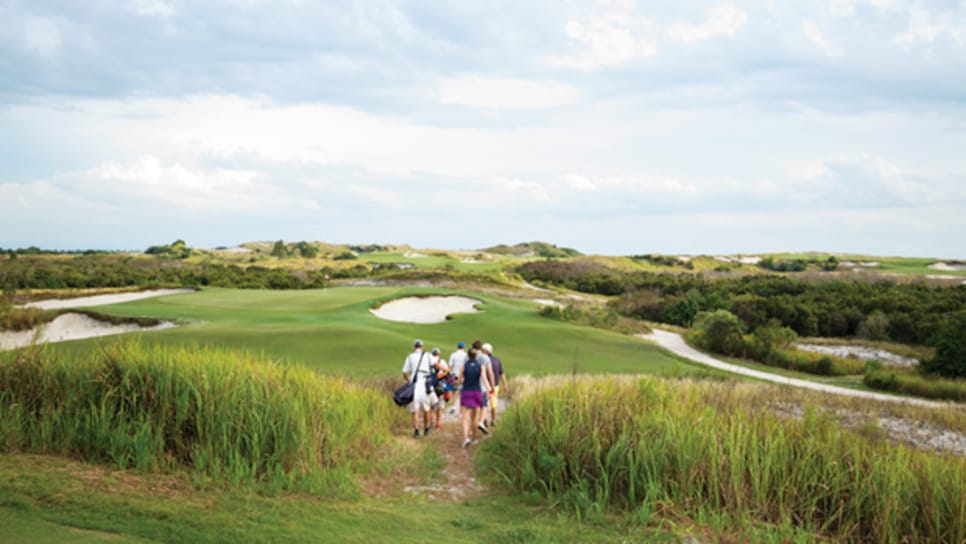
231,416
697,450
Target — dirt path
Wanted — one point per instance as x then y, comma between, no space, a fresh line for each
459,483
674,343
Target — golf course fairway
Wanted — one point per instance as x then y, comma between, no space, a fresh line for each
332,330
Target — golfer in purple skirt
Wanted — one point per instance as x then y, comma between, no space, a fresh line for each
471,398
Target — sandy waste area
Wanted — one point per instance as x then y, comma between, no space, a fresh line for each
71,327
425,309
102,300
945,267
861,353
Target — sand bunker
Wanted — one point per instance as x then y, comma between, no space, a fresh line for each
425,309
71,327
101,300
547,302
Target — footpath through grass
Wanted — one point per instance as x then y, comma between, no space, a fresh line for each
332,330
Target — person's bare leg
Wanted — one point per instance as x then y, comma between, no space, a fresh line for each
465,416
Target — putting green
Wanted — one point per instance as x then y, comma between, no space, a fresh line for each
333,330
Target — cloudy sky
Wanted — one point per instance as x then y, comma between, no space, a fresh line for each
613,127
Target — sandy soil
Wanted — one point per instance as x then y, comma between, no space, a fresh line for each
913,432
861,353
425,309
948,267
547,302
71,327
102,300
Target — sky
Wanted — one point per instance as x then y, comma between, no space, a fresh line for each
612,127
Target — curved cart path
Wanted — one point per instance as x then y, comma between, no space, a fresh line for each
674,343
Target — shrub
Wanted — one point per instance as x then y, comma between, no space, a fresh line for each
595,316
824,366
950,359
345,256
720,331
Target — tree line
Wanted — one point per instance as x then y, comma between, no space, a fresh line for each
879,310
125,271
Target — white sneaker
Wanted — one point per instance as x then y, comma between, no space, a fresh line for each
467,442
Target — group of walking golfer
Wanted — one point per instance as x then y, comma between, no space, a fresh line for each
474,376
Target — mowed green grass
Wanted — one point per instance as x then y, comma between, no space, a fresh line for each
52,499
333,330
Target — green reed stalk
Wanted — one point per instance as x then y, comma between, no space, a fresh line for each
700,450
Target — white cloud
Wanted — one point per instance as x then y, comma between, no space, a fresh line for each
614,38
926,28
149,185
152,8
529,190
724,20
42,35
503,93
578,182
812,32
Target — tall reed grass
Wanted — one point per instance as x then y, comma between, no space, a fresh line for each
696,449
930,387
235,417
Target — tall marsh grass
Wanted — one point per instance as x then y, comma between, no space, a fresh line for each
698,450
235,417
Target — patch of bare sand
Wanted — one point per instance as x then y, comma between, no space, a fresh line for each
425,309
71,326
101,300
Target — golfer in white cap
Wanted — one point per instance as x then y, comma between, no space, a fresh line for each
417,369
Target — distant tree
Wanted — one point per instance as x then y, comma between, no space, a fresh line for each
346,256
177,249
307,250
875,326
279,250
830,264
950,359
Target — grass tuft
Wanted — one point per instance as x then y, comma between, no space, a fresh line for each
235,417
698,450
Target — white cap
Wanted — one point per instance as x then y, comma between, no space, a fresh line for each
488,347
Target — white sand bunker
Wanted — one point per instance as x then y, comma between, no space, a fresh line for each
101,300
425,309
71,327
